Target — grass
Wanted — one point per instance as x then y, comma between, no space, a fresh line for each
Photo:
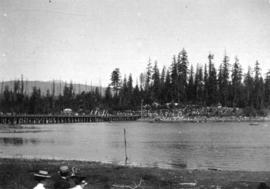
18,174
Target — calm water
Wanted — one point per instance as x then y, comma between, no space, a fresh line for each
230,146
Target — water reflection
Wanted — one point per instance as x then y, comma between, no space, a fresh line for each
17,141
177,163
23,130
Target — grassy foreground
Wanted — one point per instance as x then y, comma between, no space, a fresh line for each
18,174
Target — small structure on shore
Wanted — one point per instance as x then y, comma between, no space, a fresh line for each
67,111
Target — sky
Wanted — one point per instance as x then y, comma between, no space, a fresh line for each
85,40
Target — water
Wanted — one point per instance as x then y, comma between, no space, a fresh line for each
227,146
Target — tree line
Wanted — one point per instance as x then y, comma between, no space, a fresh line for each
181,83
16,100
205,85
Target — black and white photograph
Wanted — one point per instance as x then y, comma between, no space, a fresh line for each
134,94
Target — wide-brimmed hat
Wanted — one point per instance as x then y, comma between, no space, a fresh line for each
42,174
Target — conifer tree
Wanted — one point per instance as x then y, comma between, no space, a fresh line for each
199,86
205,88
211,84
136,98
168,88
148,83
163,75
124,96
174,81
183,74
35,101
267,89
149,71
108,97
224,81
156,83
130,90
258,87
248,88
142,81
115,80
191,90
236,76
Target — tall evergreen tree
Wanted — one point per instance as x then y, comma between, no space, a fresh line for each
156,83
148,83
191,90
162,85
267,89
174,81
248,88
136,98
236,76
130,90
124,98
199,85
7,100
205,88
163,76
224,81
183,74
115,80
142,81
258,87
168,91
130,83
211,84
35,101
149,71
108,97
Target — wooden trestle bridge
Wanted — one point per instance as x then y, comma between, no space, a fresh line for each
54,119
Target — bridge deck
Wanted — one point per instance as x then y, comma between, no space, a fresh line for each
54,119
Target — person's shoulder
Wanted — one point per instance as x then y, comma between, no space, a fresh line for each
76,187
61,183
39,186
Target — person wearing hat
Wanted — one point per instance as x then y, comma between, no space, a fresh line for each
63,181
42,178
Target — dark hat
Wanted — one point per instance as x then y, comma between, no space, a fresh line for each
42,174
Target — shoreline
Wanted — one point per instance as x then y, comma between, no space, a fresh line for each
173,119
203,119
18,173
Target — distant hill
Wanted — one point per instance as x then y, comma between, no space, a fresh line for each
48,85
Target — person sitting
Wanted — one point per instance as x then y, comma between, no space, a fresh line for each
63,181
42,178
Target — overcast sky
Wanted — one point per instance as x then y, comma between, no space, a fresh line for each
84,40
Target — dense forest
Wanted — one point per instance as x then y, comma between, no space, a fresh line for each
178,85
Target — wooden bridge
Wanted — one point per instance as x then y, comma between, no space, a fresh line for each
54,119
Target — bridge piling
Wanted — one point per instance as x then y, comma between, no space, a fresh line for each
57,119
